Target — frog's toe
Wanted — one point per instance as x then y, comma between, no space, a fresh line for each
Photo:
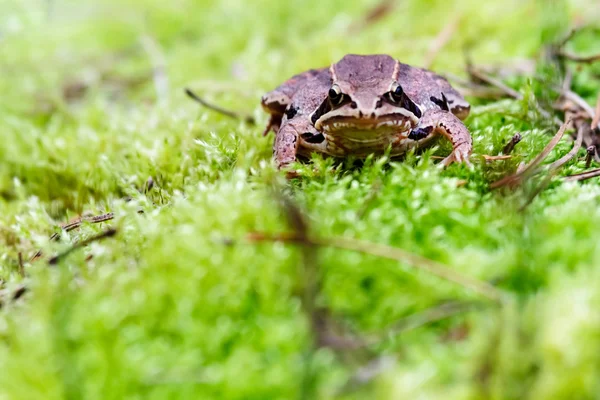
292,174
460,154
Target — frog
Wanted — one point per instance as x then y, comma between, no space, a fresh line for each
376,102
365,104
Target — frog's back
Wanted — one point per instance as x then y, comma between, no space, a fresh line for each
312,91
278,98
432,91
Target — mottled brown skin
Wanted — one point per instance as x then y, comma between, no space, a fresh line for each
363,105
276,101
297,134
377,102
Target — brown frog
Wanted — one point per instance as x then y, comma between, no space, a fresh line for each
371,103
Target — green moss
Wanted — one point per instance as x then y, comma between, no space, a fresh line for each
178,305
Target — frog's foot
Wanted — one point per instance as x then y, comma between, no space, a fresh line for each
460,154
292,174
446,124
285,146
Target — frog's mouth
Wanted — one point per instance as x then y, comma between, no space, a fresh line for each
391,123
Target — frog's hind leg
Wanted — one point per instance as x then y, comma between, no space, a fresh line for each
446,124
285,146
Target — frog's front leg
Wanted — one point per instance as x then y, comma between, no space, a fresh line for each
444,123
285,146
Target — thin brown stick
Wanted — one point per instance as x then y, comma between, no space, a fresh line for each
583,175
579,58
21,266
579,101
530,169
572,153
106,234
595,125
231,114
321,324
591,151
392,253
372,16
433,314
495,158
77,223
481,76
36,255
441,40
572,32
512,143
16,295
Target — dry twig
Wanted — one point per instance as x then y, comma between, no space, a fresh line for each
21,266
231,114
374,15
572,153
591,151
595,125
580,102
433,314
495,158
482,77
583,175
74,225
106,234
554,167
531,168
512,143
15,295
578,58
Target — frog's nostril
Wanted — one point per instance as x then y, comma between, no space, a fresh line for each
373,115
379,104
360,114
353,104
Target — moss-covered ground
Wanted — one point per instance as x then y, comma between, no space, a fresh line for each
179,304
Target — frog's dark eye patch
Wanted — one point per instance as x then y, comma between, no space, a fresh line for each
290,112
441,103
324,108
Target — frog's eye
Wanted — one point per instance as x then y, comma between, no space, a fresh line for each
396,93
335,95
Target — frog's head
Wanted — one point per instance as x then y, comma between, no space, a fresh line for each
365,99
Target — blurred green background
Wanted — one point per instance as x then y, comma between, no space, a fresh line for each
92,106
